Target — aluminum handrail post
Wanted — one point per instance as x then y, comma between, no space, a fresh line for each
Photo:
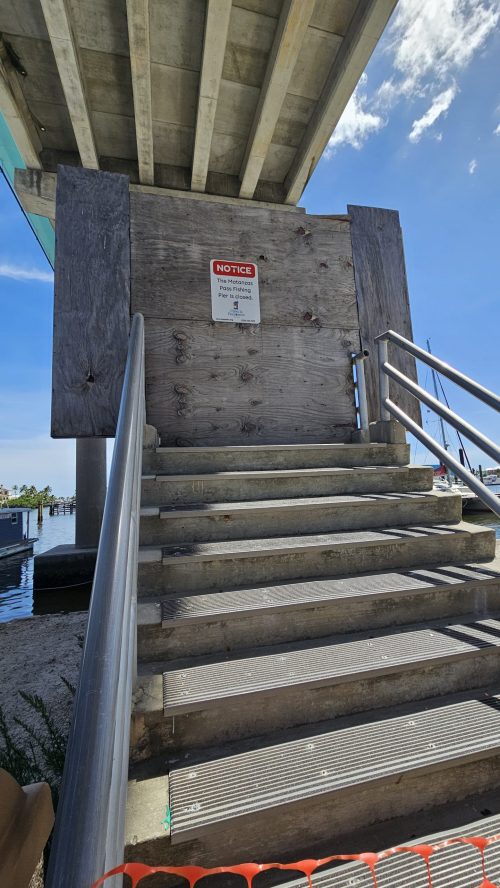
488,498
465,382
383,379
359,363
456,421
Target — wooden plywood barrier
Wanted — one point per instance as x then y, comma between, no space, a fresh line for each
383,300
91,302
286,380
327,285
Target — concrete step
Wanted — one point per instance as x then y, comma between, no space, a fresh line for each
213,703
186,460
205,522
219,623
453,863
216,487
219,566
266,802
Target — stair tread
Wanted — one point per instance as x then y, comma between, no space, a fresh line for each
291,503
212,684
192,608
458,864
232,549
249,448
222,790
320,471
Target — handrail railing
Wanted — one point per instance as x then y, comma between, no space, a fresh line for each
388,409
90,824
358,361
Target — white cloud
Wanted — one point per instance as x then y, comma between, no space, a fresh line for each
429,43
356,123
18,273
436,39
472,166
439,106
496,131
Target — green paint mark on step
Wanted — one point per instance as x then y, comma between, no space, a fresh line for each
168,819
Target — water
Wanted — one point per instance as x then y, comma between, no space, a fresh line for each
16,572
486,519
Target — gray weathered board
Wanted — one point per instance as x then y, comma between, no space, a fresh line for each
382,296
287,380
91,302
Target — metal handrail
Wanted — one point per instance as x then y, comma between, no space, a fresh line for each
358,361
465,382
90,824
388,409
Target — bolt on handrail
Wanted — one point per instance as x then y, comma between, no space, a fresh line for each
90,824
388,408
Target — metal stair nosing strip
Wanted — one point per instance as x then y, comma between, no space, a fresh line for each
190,609
215,684
238,786
340,501
318,542
458,865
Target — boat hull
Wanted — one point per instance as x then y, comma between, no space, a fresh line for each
16,548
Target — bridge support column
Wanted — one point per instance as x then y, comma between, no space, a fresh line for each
90,490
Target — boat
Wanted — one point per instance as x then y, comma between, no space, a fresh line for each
15,532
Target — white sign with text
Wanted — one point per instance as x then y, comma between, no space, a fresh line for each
235,291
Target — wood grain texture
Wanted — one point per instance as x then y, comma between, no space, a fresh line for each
287,380
91,302
305,263
211,384
383,301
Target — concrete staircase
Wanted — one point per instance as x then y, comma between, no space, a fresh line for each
319,656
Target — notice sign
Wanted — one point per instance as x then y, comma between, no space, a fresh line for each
235,291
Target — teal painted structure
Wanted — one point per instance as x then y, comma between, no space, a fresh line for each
10,158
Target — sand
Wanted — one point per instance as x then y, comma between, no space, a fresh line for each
34,653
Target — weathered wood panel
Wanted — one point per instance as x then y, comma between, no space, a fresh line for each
287,380
91,302
225,384
383,302
305,264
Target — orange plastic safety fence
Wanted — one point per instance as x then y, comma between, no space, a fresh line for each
307,868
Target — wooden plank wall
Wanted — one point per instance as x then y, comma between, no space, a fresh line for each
91,302
383,301
287,380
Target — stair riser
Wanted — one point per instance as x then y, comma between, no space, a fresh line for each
261,714
307,828
183,461
164,490
219,574
295,624
261,523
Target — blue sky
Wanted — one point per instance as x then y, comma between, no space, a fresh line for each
421,135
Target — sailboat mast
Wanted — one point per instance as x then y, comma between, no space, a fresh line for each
441,422
436,392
